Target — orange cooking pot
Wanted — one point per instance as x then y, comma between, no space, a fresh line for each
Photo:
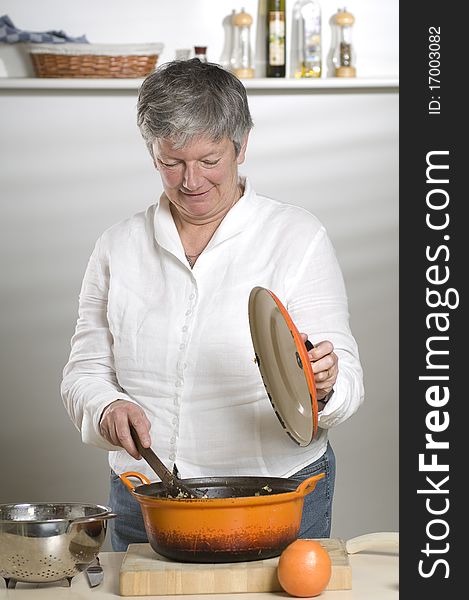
238,519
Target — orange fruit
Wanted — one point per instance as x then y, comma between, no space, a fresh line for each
304,568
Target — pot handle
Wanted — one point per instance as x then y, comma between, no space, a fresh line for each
308,485
128,484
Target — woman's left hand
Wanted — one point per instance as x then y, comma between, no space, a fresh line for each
325,365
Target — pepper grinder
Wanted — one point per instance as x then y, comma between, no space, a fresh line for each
343,56
241,60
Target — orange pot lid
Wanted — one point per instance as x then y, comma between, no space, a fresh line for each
283,361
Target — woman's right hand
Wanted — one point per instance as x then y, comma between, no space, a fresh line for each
115,421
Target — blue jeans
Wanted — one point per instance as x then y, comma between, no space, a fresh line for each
128,527
317,508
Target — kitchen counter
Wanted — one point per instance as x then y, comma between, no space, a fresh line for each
375,576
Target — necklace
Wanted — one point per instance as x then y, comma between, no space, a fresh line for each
191,258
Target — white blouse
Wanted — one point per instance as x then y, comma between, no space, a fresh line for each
177,341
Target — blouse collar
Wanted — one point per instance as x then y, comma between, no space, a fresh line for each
234,222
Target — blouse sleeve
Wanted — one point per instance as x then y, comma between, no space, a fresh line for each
89,381
317,303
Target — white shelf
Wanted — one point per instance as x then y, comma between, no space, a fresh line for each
312,85
324,83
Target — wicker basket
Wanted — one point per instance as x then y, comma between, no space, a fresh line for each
94,60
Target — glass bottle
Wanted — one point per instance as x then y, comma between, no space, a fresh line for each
307,38
276,38
241,62
343,57
201,53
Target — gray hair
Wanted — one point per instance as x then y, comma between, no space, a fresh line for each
184,99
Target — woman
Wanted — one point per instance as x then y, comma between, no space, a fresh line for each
162,340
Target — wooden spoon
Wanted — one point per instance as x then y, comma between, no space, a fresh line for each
173,484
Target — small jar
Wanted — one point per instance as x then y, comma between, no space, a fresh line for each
183,53
343,56
201,53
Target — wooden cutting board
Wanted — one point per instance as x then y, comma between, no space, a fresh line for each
145,573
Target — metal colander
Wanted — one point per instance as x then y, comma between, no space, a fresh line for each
49,541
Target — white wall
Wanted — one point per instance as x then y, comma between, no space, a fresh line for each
73,163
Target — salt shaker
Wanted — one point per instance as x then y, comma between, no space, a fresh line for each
241,60
343,56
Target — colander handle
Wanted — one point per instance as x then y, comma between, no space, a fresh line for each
87,520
